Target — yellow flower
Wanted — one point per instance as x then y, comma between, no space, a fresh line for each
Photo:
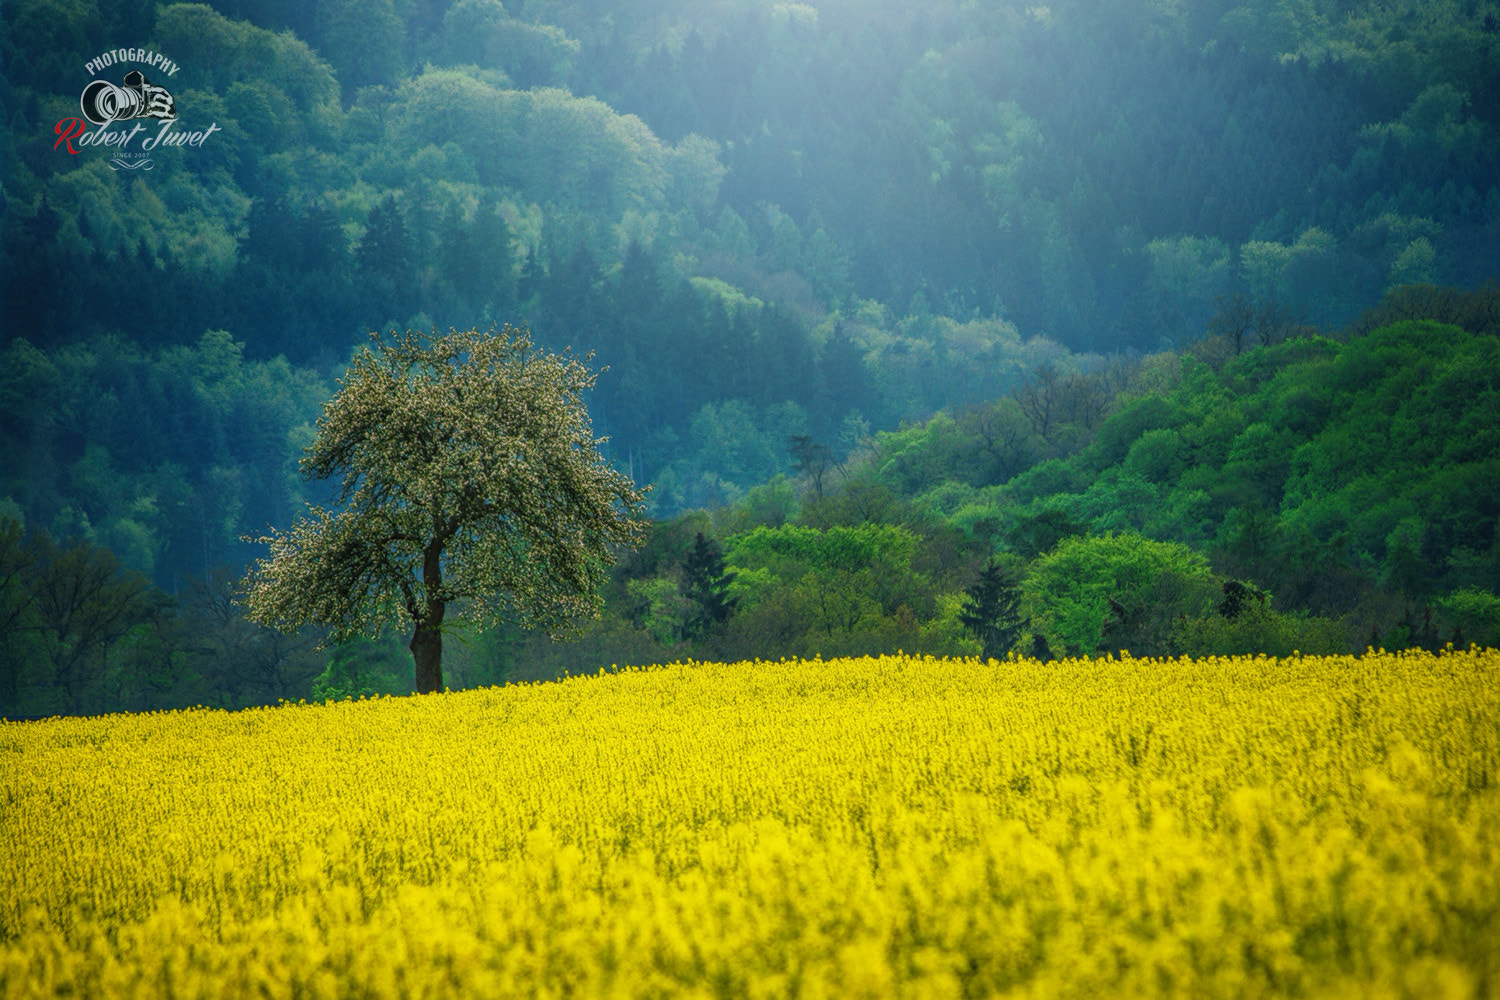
912,827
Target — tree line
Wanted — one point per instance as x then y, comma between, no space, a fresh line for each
1318,493
1321,493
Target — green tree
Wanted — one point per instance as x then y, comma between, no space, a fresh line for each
705,583
469,473
18,613
1475,612
991,611
811,459
363,41
1038,527
386,260
1257,628
1002,439
86,605
1117,592
845,583
659,608
360,668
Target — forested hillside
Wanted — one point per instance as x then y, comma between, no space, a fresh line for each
823,249
1313,494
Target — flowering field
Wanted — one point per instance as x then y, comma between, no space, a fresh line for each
854,828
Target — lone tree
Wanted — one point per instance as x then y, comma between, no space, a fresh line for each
469,473
991,612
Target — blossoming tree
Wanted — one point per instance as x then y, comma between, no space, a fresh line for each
471,481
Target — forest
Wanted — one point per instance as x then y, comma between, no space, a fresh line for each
1168,326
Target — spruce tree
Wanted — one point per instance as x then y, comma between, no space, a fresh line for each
991,611
705,583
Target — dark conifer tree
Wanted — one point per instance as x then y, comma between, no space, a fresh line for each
458,260
786,364
639,291
846,380
270,236
1428,638
494,270
705,582
991,611
321,245
386,264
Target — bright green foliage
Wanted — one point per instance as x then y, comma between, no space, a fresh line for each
668,581
1307,465
985,445
1116,592
1259,629
468,473
659,608
362,668
1404,429
1476,612
841,548
804,590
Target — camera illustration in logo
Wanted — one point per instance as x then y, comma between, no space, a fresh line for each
103,102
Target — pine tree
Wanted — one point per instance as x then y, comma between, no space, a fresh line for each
991,611
705,583
386,262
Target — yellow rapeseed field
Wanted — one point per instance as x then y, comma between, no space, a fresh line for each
902,827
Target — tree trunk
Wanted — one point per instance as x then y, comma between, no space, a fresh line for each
427,651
